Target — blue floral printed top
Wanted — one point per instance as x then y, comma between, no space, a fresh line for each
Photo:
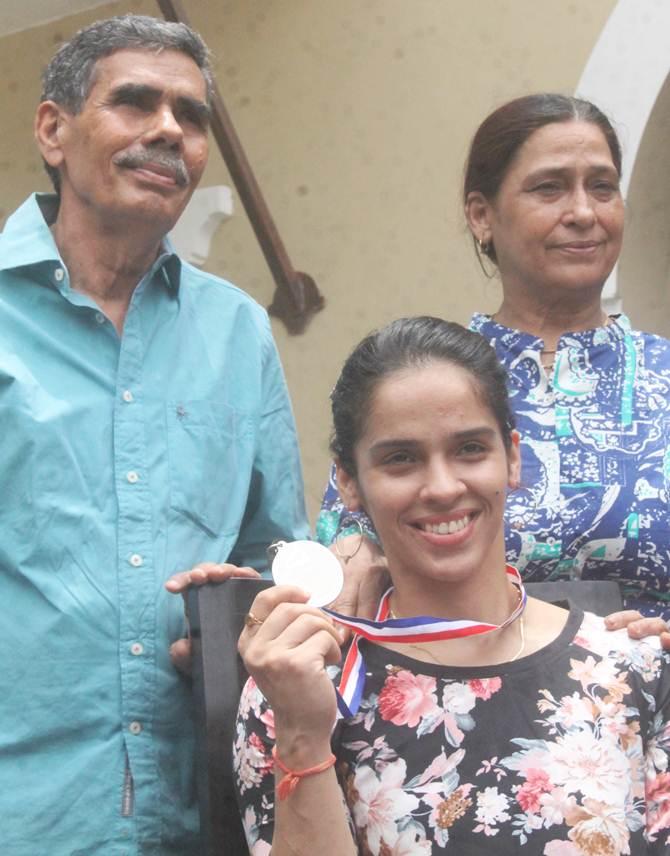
595,447
564,752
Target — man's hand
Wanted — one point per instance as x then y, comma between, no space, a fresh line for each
205,572
638,626
365,577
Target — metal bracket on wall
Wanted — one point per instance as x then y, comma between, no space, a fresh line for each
297,297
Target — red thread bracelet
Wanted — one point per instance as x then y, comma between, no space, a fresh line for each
292,778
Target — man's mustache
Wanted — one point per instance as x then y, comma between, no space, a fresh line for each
139,157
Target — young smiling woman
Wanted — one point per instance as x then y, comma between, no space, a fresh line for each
522,721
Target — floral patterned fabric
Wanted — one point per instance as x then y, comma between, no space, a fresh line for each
594,500
564,752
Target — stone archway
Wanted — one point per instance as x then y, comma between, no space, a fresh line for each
625,75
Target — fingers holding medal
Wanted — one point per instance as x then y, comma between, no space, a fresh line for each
286,645
281,615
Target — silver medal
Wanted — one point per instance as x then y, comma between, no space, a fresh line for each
310,566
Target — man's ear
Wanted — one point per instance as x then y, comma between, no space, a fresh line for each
478,215
514,461
348,488
50,124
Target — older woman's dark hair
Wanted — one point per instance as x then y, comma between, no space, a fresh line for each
68,78
408,343
504,131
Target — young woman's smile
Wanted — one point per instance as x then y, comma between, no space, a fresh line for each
432,473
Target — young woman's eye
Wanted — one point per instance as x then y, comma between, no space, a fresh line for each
473,449
398,458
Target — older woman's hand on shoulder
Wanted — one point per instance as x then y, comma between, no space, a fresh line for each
638,626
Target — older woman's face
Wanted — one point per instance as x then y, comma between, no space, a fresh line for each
557,221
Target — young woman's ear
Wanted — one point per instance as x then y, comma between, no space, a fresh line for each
348,488
514,461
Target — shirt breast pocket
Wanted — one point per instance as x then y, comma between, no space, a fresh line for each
203,453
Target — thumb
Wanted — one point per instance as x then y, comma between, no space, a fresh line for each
181,656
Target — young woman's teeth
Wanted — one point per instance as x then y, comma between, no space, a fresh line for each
445,528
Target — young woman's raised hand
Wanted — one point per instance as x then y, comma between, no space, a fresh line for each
286,647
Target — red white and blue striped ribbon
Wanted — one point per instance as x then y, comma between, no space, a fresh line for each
422,628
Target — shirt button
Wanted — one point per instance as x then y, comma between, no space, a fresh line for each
136,560
136,649
59,273
135,727
127,395
100,318
132,477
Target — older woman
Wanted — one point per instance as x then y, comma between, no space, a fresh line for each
591,396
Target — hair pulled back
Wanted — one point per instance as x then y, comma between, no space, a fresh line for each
402,344
503,132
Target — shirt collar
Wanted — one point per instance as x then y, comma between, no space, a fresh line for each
513,342
27,240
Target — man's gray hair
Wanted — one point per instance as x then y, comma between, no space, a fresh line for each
69,77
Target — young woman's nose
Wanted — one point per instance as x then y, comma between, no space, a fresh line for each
443,483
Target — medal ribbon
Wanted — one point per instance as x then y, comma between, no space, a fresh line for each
421,628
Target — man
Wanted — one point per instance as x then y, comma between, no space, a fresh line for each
145,428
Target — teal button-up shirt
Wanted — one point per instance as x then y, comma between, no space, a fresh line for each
123,461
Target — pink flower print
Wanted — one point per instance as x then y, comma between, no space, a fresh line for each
536,784
555,806
256,845
268,720
407,845
658,804
599,829
584,762
560,848
441,765
484,688
253,761
250,699
381,802
458,699
406,698
574,710
602,673
491,809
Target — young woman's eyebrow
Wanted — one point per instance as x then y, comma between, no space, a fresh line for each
482,432
393,443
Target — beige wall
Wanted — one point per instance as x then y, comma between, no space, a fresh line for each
356,115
